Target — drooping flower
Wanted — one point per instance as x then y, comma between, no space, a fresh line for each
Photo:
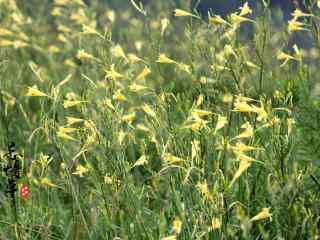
265,213
35,92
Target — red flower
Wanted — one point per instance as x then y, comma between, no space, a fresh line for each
24,191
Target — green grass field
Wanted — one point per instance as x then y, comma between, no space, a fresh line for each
137,122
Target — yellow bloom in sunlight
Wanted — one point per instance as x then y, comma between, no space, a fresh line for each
134,58
177,225
111,15
137,88
285,57
164,24
228,51
171,159
294,26
215,223
83,55
164,59
243,107
69,63
298,13
237,19
243,166
46,182
182,13
217,19
5,43
145,72
64,29
128,118
65,136
148,110
118,52
56,11
90,30
204,190
71,103
113,74
197,113
171,237
141,161
142,127
251,64
72,120
79,17
248,131
245,9
241,148
5,32
119,96
195,124
184,67
35,92
265,213
66,129
221,122
80,170
54,49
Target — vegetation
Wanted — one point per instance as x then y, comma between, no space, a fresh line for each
148,122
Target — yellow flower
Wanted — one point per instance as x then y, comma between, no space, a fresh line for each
5,43
265,213
119,96
35,92
197,113
182,13
164,24
184,67
222,121
65,136
294,25
137,88
248,131
71,103
177,225
80,170
129,117
245,9
141,161
243,166
72,120
285,57
148,110
215,223
46,182
216,19
171,159
204,190
251,64
298,13
118,52
64,29
134,58
171,237
146,71
5,32
83,55
164,59
113,74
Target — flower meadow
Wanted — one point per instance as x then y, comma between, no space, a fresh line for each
135,121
